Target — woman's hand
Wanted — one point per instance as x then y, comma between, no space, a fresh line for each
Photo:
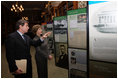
49,33
46,35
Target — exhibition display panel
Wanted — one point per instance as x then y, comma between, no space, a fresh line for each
60,41
77,43
103,39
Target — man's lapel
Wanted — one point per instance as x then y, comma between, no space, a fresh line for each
18,36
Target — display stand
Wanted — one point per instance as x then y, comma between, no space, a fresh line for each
77,43
60,41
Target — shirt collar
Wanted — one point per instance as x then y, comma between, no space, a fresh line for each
19,33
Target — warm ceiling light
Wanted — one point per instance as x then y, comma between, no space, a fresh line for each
25,18
17,8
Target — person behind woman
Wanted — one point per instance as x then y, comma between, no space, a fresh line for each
42,52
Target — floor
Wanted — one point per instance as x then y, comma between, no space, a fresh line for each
53,71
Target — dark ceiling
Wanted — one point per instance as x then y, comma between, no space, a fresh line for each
28,5
32,9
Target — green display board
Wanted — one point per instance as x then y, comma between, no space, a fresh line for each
77,28
60,29
77,43
60,41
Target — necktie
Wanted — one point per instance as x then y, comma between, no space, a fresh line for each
24,38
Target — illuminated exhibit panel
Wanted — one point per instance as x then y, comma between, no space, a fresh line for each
78,61
77,28
103,31
60,29
60,37
77,44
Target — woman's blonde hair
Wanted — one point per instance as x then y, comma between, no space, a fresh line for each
35,28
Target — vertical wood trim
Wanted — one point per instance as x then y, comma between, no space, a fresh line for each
75,4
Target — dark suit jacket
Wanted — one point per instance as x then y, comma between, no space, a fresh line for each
17,48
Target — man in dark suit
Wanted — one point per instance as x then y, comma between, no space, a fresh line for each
18,47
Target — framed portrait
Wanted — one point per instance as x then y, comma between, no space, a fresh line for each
61,55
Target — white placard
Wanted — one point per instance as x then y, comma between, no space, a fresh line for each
103,31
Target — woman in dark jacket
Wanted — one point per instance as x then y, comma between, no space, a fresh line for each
42,53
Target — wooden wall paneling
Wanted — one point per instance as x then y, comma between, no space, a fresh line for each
54,12
70,5
75,4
